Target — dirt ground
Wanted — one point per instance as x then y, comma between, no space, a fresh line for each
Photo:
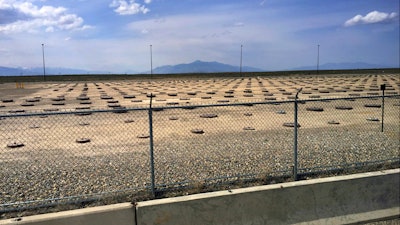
62,131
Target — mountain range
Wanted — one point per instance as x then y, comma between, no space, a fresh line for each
19,71
344,66
203,67
194,67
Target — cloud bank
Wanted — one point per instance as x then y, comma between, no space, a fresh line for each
23,16
372,17
130,7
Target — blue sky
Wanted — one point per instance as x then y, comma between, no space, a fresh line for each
115,35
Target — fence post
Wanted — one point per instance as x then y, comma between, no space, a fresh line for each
295,136
383,87
151,147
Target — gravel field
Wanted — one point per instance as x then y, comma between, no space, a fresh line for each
194,159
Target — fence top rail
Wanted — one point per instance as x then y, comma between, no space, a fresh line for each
191,106
70,112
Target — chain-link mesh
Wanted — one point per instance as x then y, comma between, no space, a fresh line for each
87,142
73,154
336,133
195,144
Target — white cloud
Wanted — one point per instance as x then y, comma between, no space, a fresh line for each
27,17
372,17
147,1
238,24
123,7
5,5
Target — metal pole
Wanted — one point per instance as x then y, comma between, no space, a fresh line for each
151,62
318,61
151,147
295,136
241,54
383,87
44,67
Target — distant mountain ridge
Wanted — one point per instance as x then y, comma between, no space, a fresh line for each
345,66
202,67
19,71
193,67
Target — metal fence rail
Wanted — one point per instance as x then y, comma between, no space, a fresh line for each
50,158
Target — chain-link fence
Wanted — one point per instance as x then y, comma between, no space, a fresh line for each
49,157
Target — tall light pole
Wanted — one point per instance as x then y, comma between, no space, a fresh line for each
151,61
241,53
318,61
44,66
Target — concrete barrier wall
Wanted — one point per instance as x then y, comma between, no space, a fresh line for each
118,214
335,200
